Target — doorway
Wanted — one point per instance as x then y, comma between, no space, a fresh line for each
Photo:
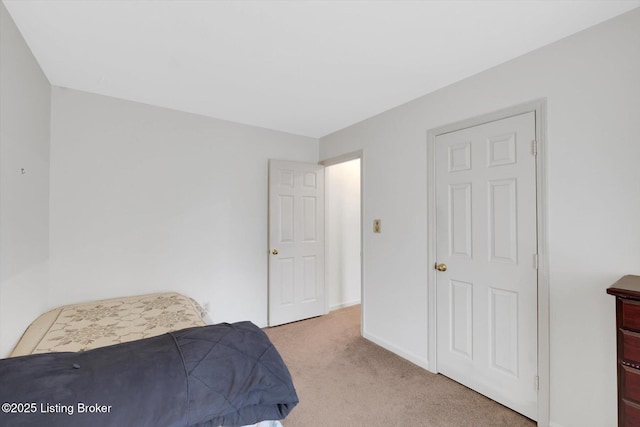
343,234
310,239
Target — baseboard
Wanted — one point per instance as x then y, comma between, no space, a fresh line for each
411,357
344,305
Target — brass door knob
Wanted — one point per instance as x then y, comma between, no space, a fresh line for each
275,252
441,267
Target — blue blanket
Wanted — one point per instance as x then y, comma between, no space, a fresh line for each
225,374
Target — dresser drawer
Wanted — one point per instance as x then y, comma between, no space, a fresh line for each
630,314
630,379
630,414
631,347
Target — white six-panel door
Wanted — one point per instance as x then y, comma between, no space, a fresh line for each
486,237
296,241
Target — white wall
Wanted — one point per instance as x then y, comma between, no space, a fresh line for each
342,233
24,198
146,199
592,84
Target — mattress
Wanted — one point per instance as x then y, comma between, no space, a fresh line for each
227,374
85,326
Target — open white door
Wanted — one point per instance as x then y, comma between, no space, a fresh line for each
487,260
296,241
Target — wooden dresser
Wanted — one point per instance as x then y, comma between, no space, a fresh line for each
627,293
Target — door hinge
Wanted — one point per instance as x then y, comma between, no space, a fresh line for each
534,147
536,382
536,263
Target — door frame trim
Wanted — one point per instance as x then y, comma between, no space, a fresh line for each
539,108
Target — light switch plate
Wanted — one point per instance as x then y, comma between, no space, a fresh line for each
377,226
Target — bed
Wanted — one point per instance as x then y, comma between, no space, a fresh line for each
152,358
81,327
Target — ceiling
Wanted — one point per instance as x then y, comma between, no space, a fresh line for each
303,67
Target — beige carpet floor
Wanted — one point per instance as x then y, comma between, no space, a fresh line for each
344,380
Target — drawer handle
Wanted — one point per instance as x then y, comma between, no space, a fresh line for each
631,365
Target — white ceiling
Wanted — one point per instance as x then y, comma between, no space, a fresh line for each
304,67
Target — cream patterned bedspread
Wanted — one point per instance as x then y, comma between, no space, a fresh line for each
95,324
